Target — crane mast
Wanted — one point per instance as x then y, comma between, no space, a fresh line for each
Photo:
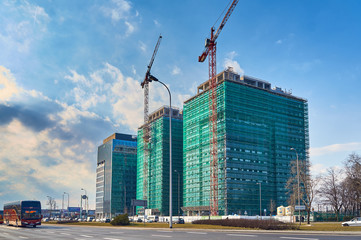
146,127
210,51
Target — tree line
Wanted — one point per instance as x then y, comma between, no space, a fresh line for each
338,187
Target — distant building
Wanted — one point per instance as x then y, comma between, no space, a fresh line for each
116,175
153,174
256,127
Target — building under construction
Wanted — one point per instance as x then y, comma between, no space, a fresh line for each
256,127
153,161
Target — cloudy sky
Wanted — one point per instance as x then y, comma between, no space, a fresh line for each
70,74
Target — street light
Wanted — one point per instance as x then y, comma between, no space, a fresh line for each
260,197
62,207
298,185
86,201
178,194
68,200
50,199
152,78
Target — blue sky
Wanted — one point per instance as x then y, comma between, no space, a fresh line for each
70,74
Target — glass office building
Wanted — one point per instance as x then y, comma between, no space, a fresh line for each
116,175
256,127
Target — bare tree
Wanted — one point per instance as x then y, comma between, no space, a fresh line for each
307,185
272,206
332,190
353,172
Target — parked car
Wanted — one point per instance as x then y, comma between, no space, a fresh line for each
353,222
139,220
180,221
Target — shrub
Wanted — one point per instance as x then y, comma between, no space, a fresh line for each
66,221
249,223
120,220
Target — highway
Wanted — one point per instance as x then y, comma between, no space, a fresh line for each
121,233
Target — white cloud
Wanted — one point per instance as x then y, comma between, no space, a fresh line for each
8,86
334,148
176,70
156,23
134,71
120,11
229,62
47,164
108,86
130,29
28,25
55,142
77,78
142,46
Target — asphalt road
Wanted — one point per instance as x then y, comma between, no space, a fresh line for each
106,233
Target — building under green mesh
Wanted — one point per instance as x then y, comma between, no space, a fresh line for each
157,193
257,126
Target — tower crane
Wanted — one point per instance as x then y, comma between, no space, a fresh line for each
146,129
210,50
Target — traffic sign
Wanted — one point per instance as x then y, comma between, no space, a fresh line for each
300,207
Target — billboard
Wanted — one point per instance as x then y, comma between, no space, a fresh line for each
142,203
73,209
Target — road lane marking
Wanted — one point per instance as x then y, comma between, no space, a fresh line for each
23,237
116,232
197,232
86,236
161,236
299,238
112,238
242,235
65,233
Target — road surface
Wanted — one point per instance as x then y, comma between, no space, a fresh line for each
120,233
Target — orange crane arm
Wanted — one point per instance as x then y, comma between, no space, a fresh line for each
215,36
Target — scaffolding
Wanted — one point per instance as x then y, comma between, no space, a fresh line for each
256,128
157,175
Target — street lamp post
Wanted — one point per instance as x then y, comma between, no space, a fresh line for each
68,200
86,201
152,78
178,194
260,197
62,207
298,185
50,199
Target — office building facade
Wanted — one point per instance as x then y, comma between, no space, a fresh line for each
116,175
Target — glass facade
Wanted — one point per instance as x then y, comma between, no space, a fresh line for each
256,127
116,175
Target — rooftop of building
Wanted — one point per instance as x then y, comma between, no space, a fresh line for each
164,112
230,75
121,136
